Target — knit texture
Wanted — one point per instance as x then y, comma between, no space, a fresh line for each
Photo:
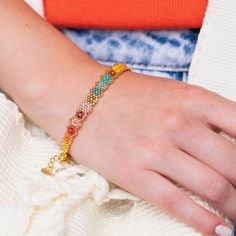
80,201
213,64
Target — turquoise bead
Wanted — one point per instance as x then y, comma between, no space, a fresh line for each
96,91
101,84
107,79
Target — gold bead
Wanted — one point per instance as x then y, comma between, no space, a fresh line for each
92,99
46,171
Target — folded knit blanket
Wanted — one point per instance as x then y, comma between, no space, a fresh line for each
79,201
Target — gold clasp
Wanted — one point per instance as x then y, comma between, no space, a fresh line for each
55,162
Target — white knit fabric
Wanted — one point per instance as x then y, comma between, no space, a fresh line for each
79,201
213,65
37,5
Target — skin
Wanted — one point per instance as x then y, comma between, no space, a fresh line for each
145,133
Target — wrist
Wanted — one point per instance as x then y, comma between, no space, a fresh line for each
55,99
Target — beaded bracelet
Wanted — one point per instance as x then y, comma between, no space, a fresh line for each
59,162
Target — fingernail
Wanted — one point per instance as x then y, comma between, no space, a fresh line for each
222,230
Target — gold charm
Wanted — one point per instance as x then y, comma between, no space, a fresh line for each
55,162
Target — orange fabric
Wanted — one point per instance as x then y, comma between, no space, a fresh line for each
125,14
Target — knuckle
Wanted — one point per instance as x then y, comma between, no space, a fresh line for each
217,190
172,202
232,174
176,121
196,92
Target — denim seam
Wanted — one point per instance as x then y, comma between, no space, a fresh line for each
151,67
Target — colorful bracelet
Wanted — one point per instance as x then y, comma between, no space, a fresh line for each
59,162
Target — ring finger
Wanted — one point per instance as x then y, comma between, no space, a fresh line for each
212,149
198,178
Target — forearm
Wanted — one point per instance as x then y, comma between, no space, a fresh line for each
38,65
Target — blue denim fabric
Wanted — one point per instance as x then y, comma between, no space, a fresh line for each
165,53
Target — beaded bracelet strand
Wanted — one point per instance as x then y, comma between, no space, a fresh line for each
59,162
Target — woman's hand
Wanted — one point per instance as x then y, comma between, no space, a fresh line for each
146,133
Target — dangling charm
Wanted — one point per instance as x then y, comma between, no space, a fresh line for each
57,164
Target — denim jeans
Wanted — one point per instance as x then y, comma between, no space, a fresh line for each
160,53
165,53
